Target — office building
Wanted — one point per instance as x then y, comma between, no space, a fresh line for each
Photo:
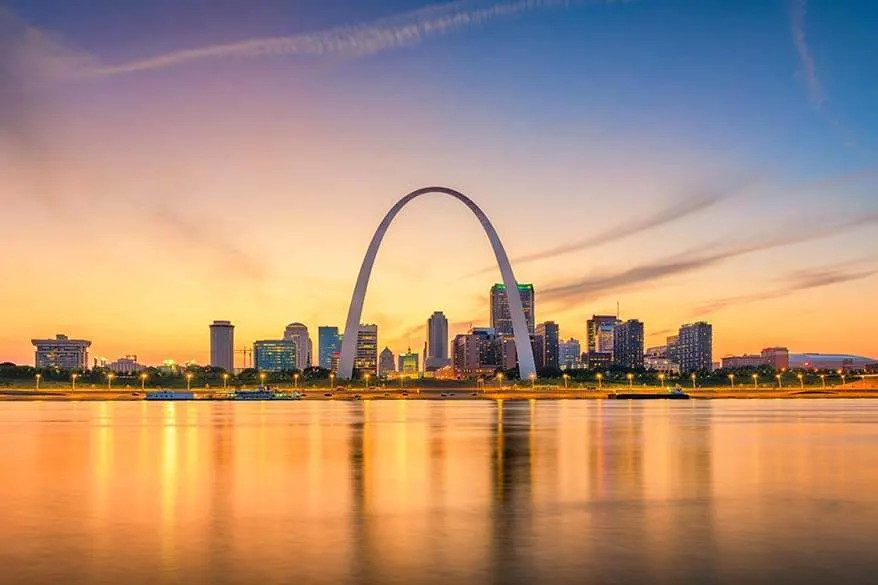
550,333
501,319
275,355
333,361
481,352
436,356
628,345
777,357
222,345
62,352
598,360
538,347
568,354
733,362
386,362
328,343
408,364
366,359
672,348
298,334
695,347
599,333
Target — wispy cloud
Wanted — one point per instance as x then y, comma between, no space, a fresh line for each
225,256
407,29
796,282
816,95
601,284
690,205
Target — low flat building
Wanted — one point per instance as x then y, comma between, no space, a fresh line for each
734,362
662,365
598,360
126,365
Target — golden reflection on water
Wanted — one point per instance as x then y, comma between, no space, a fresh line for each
438,492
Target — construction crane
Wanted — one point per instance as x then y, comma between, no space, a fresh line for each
246,357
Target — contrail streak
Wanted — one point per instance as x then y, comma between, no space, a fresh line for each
797,24
404,30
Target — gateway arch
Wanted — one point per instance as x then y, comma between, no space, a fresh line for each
523,346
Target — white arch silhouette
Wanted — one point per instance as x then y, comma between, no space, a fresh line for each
526,366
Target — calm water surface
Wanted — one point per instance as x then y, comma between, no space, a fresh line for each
439,492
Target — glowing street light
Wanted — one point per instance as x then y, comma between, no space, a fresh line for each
823,380
262,376
779,381
693,380
600,381
756,381
38,376
662,380
110,377
189,381
331,379
566,378
143,382
732,379
366,377
842,374
499,379
801,381
226,381
631,381
533,380
296,380
73,378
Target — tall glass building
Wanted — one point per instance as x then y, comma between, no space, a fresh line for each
501,319
329,342
366,360
274,355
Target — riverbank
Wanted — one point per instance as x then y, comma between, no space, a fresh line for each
457,394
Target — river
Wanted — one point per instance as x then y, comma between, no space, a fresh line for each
475,492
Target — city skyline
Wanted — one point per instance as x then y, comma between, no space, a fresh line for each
746,200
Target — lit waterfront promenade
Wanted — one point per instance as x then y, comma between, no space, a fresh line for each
861,389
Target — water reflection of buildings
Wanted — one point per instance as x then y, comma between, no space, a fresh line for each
511,511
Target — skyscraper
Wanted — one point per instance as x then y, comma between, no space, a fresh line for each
274,355
501,319
329,343
386,362
599,333
298,333
366,360
569,354
222,345
695,347
437,342
628,344
549,331
61,352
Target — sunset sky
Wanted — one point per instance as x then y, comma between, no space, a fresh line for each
167,163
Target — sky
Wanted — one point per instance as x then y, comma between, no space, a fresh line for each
167,163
